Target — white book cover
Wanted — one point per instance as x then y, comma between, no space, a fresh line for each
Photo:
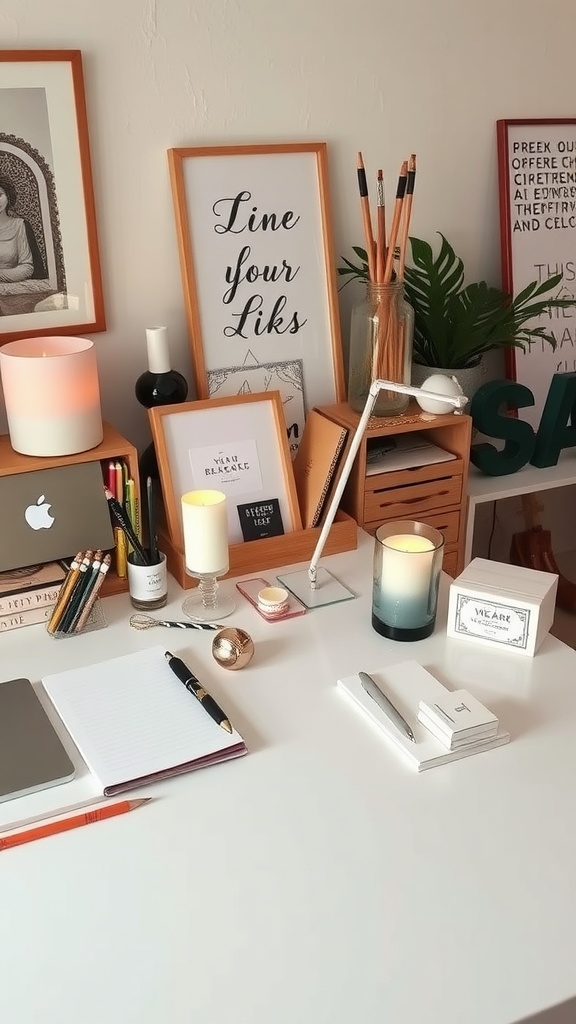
406,684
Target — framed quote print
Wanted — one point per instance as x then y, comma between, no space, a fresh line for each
537,183
50,279
235,444
257,261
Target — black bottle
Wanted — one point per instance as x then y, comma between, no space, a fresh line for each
158,385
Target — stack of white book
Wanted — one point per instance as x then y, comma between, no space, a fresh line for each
458,720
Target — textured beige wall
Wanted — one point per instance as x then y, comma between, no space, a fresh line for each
383,77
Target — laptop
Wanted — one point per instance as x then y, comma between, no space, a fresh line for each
49,514
32,756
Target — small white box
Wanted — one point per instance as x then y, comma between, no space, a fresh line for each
502,605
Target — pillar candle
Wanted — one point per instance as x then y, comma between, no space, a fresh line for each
205,526
407,565
158,351
52,395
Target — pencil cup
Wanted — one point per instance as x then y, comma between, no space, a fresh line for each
407,565
96,620
147,584
381,334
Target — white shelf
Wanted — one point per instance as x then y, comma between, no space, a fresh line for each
483,488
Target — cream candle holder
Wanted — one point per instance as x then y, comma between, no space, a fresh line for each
205,529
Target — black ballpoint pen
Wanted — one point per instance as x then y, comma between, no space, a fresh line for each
183,673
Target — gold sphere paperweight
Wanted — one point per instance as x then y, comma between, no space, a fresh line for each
232,648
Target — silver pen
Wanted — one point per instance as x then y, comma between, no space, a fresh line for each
386,705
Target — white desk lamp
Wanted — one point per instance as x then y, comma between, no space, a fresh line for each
316,587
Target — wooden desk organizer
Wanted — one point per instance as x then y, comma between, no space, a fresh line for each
255,555
112,446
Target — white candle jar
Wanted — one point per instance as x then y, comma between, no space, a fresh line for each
52,395
407,565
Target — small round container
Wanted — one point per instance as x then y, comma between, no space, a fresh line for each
273,600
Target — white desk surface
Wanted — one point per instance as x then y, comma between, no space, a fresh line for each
319,879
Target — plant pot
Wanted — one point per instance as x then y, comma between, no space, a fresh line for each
469,378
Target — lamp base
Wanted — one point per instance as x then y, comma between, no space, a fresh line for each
400,633
329,590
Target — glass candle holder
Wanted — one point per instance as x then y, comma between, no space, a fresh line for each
407,565
205,528
381,336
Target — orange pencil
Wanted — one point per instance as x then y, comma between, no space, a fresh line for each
381,229
406,211
400,190
64,824
365,207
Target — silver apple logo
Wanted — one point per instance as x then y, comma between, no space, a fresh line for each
38,516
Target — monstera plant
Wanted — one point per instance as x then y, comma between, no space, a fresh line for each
456,324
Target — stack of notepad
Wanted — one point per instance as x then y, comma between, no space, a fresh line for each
411,688
458,720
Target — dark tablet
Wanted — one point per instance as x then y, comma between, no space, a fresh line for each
31,754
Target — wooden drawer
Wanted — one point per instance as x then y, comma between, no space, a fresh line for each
449,525
447,522
412,499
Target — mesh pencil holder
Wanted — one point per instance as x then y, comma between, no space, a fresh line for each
96,620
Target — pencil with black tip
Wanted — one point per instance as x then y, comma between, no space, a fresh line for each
406,213
396,217
365,207
380,229
122,520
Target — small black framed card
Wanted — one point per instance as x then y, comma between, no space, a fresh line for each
260,519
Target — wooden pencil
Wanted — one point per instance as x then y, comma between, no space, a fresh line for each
400,191
366,219
406,213
65,824
380,228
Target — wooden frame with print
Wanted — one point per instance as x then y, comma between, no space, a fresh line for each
258,270
50,279
537,185
197,443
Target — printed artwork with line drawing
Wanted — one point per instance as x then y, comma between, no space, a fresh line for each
252,377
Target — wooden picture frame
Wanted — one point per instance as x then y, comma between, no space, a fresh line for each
537,186
258,271
197,441
50,279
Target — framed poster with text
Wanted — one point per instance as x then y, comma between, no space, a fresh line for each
258,271
537,183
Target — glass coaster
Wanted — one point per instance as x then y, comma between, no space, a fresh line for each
329,590
251,588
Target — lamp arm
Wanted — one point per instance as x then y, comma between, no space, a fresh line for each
458,401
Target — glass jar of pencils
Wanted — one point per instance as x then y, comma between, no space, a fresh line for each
381,336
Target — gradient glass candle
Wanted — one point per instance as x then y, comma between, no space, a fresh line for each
52,395
407,566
